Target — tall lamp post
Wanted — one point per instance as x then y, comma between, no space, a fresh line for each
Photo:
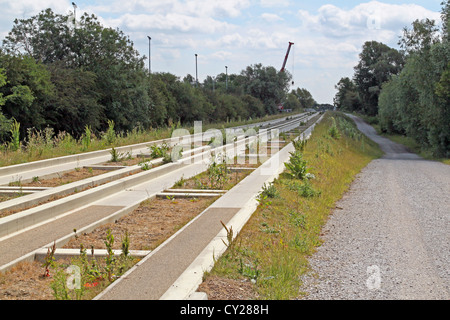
149,55
196,72
74,14
226,79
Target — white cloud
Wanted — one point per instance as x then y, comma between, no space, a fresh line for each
26,8
384,20
275,3
270,17
172,22
198,8
222,55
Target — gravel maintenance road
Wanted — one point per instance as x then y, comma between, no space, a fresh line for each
389,236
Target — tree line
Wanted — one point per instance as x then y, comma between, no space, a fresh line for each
407,90
68,75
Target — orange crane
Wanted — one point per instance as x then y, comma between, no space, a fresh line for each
286,58
280,106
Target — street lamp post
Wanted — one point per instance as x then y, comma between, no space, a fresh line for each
226,79
196,72
74,14
149,55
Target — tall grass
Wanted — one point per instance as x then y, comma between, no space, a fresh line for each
45,144
282,233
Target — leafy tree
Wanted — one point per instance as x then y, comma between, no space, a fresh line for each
87,76
75,103
45,37
422,35
305,97
106,52
4,122
377,64
416,102
292,102
347,98
266,84
28,90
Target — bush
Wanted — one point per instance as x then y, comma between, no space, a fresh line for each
296,167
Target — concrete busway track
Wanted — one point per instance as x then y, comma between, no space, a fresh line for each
50,167
38,196
174,270
23,233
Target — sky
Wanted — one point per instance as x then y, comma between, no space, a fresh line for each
327,35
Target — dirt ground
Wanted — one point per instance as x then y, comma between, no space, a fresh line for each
227,289
147,226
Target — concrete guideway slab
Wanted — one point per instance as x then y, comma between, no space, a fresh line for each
150,277
22,246
30,217
46,167
124,201
84,219
62,253
174,270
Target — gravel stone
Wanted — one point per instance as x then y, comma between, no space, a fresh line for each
389,239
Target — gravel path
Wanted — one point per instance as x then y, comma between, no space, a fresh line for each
390,236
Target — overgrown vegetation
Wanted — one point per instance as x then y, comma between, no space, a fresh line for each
86,276
406,91
90,80
272,249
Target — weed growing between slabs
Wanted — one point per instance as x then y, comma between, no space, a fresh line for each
271,252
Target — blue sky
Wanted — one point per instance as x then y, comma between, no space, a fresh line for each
328,35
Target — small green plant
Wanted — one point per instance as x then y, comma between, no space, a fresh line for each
218,174
297,219
146,165
116,156
110,135
269,191
49,260
159,151
333,130
109,259
59,285
296,167
87,138
304,189
126,245
300,144
172,199
15,135
180,182
17,182
250,270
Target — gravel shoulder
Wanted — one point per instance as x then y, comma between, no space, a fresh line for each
389,236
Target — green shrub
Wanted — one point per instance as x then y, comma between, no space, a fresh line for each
296,167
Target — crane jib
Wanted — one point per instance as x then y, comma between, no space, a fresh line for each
287,55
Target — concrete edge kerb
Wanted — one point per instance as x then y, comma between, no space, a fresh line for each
184,288
14,169
63,240
26,218
206,254
114,216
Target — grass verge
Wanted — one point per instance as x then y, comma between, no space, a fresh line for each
45,144
272,249
408,142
